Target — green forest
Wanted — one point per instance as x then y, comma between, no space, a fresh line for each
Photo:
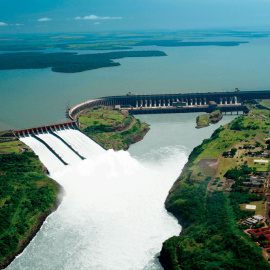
27,196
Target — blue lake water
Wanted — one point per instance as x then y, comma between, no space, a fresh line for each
35,97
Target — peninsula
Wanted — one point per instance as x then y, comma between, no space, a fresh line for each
112,129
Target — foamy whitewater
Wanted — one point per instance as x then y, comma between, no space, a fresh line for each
113,214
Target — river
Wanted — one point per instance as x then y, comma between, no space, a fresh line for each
113,214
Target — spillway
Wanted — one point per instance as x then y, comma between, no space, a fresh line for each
80,142
45,155
60,148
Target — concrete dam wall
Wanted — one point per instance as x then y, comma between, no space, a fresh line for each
164,103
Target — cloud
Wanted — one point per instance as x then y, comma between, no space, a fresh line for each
3,24
18,24
44,20
95,17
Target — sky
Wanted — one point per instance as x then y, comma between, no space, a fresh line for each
51,16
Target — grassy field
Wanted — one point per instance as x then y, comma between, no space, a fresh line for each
260,207
27,195
99,116
112,129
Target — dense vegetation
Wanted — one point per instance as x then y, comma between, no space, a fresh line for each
112,129
27,195
211,237
67,62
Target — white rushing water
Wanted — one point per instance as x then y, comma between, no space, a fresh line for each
60,148
113,214
43,152
80,142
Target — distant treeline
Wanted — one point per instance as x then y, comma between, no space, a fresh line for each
114,45
67,62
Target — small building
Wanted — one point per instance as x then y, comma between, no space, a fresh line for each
252,220
258,217
250,207
256,179
260,161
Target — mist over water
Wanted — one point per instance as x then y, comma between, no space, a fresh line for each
113,214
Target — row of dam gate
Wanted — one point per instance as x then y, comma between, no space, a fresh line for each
190,102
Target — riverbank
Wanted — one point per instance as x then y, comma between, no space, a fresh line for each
206,199
28,197
112,129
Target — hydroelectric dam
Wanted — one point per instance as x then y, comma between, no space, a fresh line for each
67,144
175,103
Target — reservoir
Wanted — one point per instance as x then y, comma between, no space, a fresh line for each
32,98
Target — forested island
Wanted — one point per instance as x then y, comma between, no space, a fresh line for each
27,196
204,120
224,175
68,62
